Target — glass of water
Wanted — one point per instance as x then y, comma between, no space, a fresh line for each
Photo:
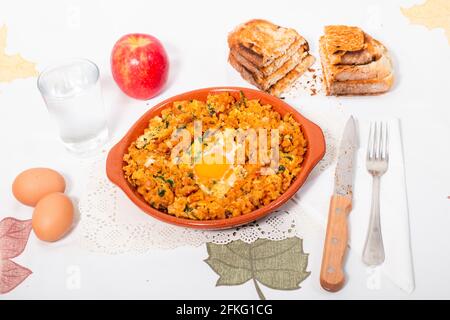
72,93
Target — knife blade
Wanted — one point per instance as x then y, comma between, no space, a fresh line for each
332,277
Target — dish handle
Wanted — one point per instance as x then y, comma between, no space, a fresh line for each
318,148
114,165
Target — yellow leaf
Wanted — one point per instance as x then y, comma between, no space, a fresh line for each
432,14
13,66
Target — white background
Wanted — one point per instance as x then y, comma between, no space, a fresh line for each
194,34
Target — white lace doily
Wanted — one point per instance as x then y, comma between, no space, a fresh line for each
110,223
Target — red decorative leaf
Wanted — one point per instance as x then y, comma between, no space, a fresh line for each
11,275
13,237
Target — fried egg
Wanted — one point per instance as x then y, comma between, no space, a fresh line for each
216,172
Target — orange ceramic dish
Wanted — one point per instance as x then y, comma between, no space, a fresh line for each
312,133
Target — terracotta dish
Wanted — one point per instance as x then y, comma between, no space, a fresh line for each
315,152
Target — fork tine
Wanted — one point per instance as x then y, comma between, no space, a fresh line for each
369,142
381,143
387,143
375,141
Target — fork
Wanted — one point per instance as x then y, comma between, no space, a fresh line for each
377,161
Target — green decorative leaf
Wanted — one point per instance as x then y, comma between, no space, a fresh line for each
230,275
276,264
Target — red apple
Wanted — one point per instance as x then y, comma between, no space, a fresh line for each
139,65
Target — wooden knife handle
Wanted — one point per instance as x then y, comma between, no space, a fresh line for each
332,276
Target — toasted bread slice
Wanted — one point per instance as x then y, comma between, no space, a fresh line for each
266,82
292,63
261,42
297,46
351,66
283,84
245,73
375,69
360,87
343,38
286,83
372,51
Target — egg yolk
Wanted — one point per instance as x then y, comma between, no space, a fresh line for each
208,172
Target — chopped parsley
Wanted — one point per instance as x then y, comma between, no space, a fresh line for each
281,168
242,99
170,181
161,192
211,109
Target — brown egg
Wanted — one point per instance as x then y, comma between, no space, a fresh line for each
52,217
33,184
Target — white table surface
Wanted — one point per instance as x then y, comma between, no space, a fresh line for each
194,34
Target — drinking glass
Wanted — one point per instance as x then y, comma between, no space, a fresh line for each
72,93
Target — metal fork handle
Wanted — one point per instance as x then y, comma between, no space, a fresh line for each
374,250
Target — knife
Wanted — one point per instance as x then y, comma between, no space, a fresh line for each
332,277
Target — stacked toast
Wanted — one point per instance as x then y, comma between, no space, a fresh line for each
268,56
354,63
